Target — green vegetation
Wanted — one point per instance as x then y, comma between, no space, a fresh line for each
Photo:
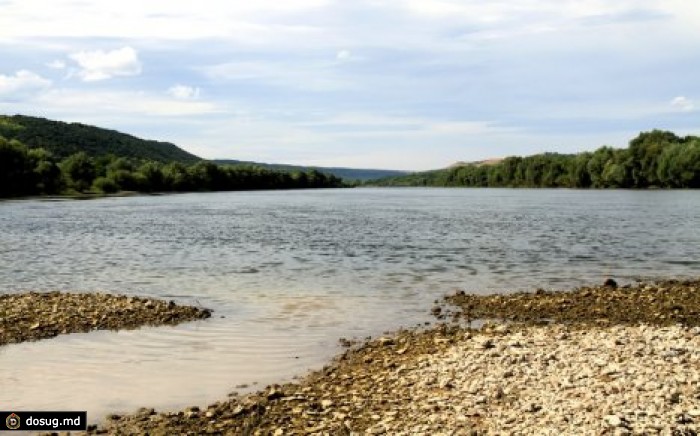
656,159
355,174
35,171
39,157
65,139
62,140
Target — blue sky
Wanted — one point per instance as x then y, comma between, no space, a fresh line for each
412,84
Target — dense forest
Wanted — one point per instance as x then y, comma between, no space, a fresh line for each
347,174
656,159
35,171
64,139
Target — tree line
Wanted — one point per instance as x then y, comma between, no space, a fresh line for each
28,171
655,159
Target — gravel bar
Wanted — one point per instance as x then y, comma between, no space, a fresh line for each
33,316
664,303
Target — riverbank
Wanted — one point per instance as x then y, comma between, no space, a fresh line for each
33,316
601,373
665,303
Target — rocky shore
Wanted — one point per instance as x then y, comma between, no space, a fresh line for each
33,316
597,360
665,303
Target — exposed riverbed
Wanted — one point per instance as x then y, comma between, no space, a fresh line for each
600,374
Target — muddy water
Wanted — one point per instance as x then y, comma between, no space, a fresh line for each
288,273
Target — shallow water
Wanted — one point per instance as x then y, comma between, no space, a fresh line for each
290,272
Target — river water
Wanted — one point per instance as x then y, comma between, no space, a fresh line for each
289,272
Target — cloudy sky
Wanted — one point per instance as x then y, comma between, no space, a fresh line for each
404,84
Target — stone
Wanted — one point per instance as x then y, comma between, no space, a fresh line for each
486,343
613,420
610,283
385,341
378,429
274,393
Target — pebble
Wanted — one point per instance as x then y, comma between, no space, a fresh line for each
613,420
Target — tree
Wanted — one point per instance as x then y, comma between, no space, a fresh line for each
679,165
596,166
151,177
106,185
80,170
205,176
646,150
16,176
579,177
301,179
119,164
47,176
176,177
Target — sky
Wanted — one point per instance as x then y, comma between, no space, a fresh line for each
395,84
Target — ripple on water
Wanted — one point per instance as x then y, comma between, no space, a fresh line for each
293,271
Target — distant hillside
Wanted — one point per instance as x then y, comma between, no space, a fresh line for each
478,163
347,174
421,178
429,177
64,139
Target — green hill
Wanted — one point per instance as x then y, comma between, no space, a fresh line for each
344,173
64,139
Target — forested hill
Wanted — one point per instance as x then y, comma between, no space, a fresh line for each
43,157
658,159
348,174
65,139
62,140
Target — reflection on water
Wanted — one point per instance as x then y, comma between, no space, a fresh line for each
288,273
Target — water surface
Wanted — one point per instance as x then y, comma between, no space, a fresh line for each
289,272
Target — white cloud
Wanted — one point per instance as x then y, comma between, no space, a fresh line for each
74,101
56,64
682,104
352,139
307,75
343,55
153,19
20,84
438,8
183,92
100,65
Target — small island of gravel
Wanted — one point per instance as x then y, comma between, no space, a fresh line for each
32,316
598,360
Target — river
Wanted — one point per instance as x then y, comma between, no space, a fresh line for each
289,272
